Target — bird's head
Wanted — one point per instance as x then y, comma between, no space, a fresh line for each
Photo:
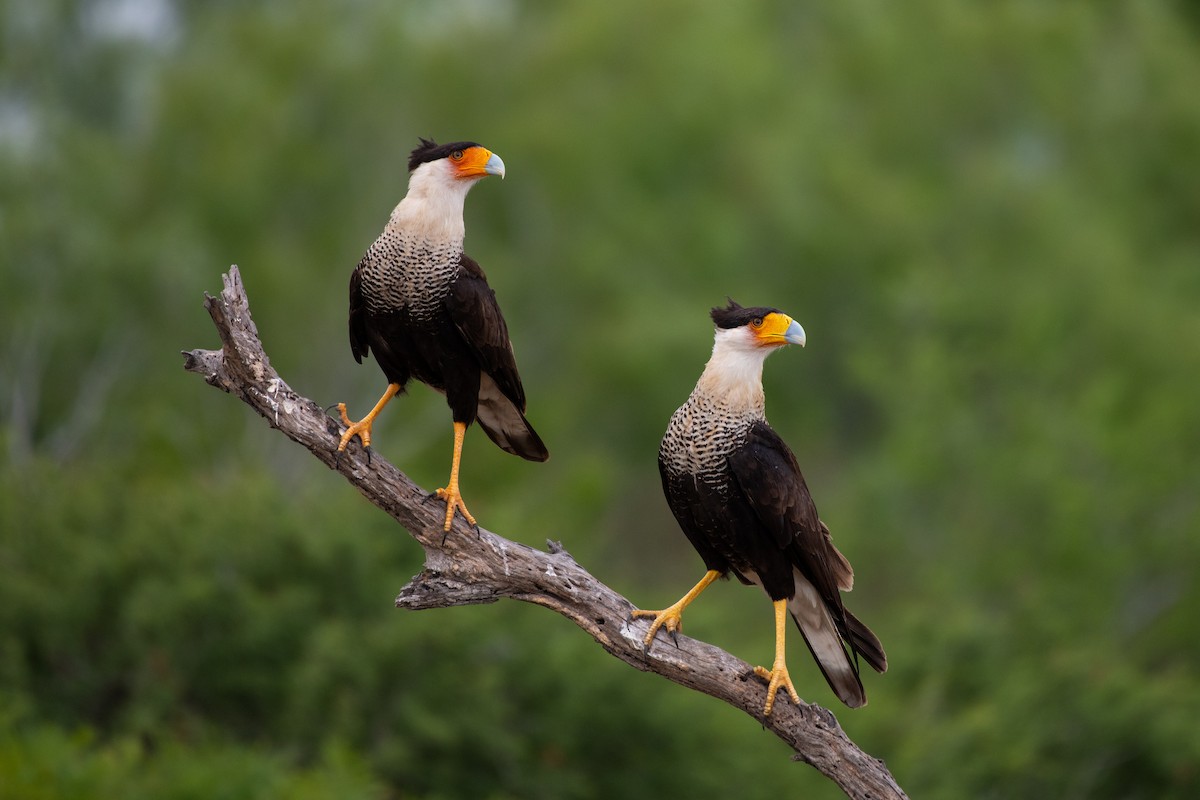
759,329
744,338
440,177
457,161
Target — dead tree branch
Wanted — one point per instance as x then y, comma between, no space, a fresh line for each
468,568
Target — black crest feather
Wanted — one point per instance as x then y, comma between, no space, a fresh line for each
429,150
735,316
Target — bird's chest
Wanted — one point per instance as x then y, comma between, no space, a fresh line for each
409,274
699,439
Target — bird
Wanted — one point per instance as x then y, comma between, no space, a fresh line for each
737,492
423,307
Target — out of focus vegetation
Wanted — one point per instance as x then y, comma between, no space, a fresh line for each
987,216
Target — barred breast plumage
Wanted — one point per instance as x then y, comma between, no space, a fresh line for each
401,271
703,432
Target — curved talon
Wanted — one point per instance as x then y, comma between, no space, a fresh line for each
362,428
450,493
454,502
671,618
776,678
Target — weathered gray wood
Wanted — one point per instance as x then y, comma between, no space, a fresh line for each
469,566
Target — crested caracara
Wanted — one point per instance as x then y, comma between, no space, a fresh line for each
738,494
425,310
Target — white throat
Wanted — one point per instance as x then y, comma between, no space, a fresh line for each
733,375
433,208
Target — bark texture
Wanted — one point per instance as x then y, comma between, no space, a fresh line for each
466,567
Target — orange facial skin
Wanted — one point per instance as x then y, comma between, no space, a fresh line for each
476,162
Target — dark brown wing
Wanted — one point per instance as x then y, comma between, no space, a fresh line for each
473,309
766,471
770,480
358,317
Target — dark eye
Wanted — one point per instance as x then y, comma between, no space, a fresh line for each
757,322
456,155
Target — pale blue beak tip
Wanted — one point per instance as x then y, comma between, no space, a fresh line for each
494,166
794,334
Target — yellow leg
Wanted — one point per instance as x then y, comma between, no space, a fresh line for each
451,494
362,428
672,617
777,676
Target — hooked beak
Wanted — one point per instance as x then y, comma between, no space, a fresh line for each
494,166
794,334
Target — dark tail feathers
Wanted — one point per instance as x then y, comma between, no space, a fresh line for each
865,643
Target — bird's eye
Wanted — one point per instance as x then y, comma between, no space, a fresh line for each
757,322
456,155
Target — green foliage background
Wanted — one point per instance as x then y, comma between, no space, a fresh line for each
987,217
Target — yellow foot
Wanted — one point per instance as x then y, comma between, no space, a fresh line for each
454,502
776,678
670,618
361,429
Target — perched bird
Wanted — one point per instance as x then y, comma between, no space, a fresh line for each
738,495
424,308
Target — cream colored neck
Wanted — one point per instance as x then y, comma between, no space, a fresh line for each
433,208
733,376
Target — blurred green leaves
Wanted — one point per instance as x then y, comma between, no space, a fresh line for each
984,216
